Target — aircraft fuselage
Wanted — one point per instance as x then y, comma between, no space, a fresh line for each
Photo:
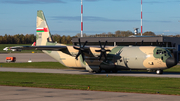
120,57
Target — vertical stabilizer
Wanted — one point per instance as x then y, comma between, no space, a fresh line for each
43,34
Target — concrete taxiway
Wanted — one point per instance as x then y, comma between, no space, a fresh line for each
84,72
25,57
9,93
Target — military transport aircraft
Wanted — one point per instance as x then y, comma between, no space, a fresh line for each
97,58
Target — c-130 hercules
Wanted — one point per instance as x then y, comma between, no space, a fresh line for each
95,59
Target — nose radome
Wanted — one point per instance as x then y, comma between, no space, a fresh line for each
170,62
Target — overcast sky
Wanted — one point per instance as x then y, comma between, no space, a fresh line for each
63,16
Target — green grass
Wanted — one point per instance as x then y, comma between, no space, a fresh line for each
173,69
98,83
47,65
2,46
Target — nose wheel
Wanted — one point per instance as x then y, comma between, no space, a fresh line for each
159,71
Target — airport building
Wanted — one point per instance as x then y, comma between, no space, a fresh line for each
161,41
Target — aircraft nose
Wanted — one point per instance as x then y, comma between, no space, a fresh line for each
170,62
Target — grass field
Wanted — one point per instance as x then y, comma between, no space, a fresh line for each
2,46
152,85
97,83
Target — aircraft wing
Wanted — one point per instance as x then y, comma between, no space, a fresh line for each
19,48
88,51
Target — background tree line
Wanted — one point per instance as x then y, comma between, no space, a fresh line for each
123,34
30,38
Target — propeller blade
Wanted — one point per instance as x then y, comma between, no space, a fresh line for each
78,55
108,50
98,50
82,56
84,44
76,48
100,44
105,44
105,56
100,56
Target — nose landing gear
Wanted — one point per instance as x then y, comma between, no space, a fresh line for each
159,72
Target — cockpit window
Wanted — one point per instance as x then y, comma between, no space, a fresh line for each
160,52
169,53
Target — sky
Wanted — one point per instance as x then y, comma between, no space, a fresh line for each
99,16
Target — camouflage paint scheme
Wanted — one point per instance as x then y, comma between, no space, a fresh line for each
120,57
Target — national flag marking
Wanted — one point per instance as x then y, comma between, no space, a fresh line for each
41,29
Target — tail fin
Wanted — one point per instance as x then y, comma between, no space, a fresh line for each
43,34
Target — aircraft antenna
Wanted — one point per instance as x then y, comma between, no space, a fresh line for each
81,18
141,19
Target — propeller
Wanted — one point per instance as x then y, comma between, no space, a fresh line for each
103,51
81,50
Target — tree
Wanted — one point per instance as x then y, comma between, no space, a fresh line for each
118,33
5,39
78,35
110,34
148,33
126,33
1,39
64,41
68,38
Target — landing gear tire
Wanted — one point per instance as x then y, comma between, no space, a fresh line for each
108,71
114,71
99,71
159,72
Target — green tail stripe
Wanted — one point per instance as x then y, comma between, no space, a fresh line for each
39,31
